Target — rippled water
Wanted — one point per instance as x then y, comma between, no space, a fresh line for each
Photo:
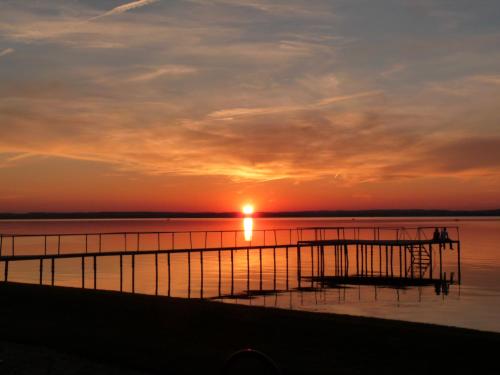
474,303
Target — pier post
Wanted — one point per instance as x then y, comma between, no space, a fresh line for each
400,263
357,260
392,261
52,269
371,259
346,251
6,271
95,272
420,260
380,261
312,261
430,261
248,269
83,272
133,273
406,263
260,267
156,273
459,271
232,273
121,273
362,261
412,260
201,274
189,273
274,266
386,261
286,265
298,265
168,274
366,260
41,271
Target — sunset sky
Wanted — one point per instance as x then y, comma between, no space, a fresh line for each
199,105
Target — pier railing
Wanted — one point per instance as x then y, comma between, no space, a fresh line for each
373,233
12,245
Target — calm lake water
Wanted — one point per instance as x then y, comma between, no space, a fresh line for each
474,303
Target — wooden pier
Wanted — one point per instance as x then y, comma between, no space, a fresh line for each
350,255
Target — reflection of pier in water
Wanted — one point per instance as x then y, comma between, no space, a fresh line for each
303,259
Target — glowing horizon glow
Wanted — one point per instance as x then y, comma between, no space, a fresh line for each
248,228
248,209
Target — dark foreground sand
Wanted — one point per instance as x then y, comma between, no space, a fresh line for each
46,330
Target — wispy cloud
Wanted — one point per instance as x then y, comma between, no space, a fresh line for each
125,8
6,51
166,70
259,111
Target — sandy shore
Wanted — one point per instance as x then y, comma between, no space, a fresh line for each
84,331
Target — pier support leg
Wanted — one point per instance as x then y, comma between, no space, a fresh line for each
346,251
440,262
400,263
133,273
406,262
168,274
430,261
357,260
41,271
248,269
371,260
392,261
95,272
412,260
286,265
6,271
232,272
386,261
121,273
459,271
156,273
189,274
298,266
260,268
52,269
83,272
201,274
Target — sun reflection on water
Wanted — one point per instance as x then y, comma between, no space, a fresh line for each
248,228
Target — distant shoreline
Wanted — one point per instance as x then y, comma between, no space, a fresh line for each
278,214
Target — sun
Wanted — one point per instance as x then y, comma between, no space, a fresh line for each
248,209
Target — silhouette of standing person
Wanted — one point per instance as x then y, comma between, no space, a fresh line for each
436,236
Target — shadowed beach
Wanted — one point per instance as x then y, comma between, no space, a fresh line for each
110,332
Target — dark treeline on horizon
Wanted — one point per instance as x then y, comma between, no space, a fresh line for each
277,214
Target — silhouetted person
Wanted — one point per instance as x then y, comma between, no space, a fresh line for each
446,238
444,235
436,236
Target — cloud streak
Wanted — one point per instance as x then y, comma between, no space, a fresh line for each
6,52
124,8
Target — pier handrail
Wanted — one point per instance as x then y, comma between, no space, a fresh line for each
171,238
